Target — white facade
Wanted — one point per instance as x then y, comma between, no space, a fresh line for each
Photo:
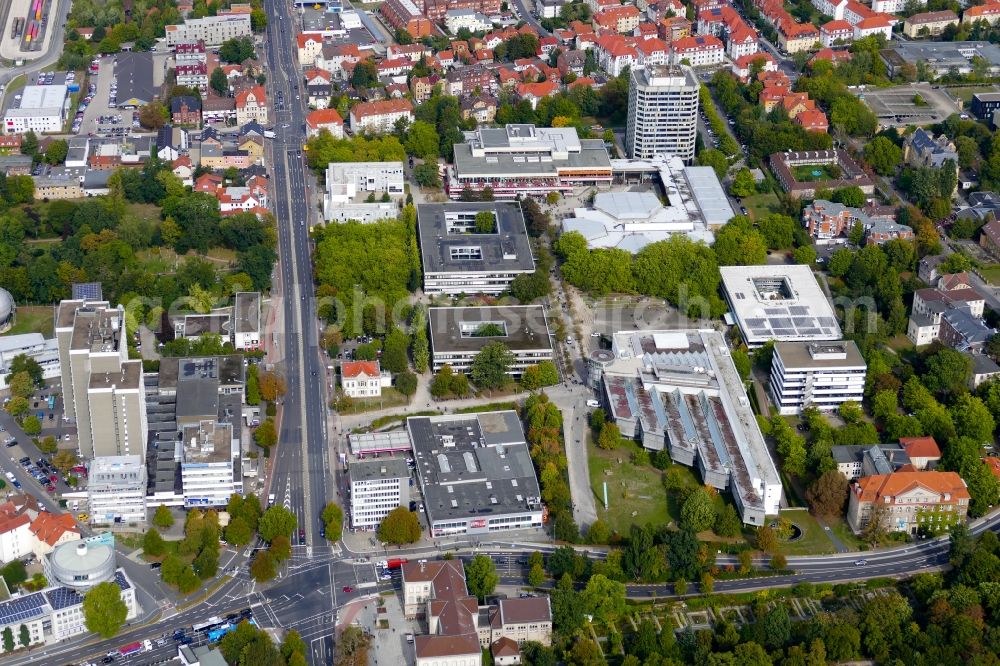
208,474
16,540
701,55
890,6
377,487
473,21
34,346
662,112
364,385
345,181
213,30
822,375
116,489
39,121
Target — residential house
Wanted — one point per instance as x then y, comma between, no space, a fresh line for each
535,92
923,452
922,149
742,66
185,110
990,13
50,530
251,104
309,45
325,119
482,108
572,61
881,230
183,169
422,87
380,116
216,109
989,238
929,24
952,292
964,331
193,75
697,50
622,19
795,37
363,379
924,502
614,54
253,145
835,33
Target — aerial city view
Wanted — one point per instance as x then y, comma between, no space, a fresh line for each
498,332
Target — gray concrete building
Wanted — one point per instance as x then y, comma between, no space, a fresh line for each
102,390
457,335
116,490
662,112
378,486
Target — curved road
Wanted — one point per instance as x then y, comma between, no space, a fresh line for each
50,55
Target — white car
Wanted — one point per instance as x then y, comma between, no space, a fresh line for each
593,403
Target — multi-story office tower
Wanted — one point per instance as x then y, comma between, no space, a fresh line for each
377,487
102,390
662,112
116,489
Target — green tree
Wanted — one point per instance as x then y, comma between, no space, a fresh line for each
490,367
883,155
20,384
104,612
697,512
263,568
406,383
281,548
235,51
24,636
238,532
778,231
481,576
852,196
153,544
727,522
276,521
422,141
8,639
828,494
394,355
17,406
56,151
743,184
266,435
804,255
604,599
716,159
31,425
536,575
333,521
427,175
162,517
766,540
610,436
206,564
218,81
399,527
739,244
486,222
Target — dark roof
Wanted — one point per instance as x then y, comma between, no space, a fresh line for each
176,103
134,74
525,327
506,249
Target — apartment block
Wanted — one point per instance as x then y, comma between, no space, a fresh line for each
662,112
212,30
377,487
103,392
116,489
816,374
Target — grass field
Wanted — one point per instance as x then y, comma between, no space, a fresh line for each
813,541
808,173
390,398
991,273
761,205
636,495
33,319
844,533
965,93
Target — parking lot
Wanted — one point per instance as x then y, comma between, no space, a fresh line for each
21,448
912,104
99,106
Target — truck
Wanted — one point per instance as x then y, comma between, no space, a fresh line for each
390,565
207,624
132,648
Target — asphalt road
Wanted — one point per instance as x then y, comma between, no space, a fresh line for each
523,13
50,55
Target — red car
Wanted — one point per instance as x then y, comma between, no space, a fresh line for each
348,588
53,478
50,488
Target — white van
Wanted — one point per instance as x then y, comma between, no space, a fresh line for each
593,403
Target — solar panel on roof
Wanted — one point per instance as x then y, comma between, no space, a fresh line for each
756,322
781,322
798,310
803,321
828,321
18,610
784,331
90,291
810,331
62,597
776,311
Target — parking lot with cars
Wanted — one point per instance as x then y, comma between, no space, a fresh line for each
103,103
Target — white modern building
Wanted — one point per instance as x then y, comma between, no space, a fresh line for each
349,183
247,335
473,21
662,112
679,390
83,563
458,261
782,303
816,374
210,464
475,473
45,352
103,391
56,613
42,109
459,334
377,487
116,489
213,30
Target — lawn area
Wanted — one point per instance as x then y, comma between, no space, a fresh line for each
761,205
148,212
813,541
991,273
807,173
33,319
390,398
900,342
844,533
636,495
965,93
